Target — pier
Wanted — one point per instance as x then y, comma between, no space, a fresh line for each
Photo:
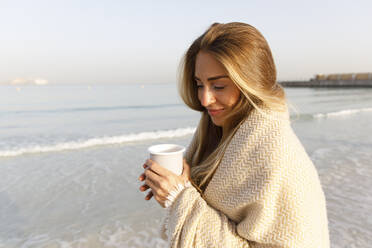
334,80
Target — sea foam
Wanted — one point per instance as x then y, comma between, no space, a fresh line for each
151,135
342,113
99,141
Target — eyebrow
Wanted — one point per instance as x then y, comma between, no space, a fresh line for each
213,78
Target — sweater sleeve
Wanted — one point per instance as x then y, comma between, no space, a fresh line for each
191,222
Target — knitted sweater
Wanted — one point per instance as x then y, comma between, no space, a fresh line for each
265,193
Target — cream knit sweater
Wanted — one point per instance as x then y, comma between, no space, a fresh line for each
265,193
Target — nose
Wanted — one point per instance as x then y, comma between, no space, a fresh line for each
206,97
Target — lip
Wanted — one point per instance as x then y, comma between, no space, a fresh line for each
214,112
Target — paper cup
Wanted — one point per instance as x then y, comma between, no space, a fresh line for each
169,156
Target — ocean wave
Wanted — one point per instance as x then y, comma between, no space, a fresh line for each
341,113
75,145
97,108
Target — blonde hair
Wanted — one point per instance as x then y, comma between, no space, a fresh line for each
247,58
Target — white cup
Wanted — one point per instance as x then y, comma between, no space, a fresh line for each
169,156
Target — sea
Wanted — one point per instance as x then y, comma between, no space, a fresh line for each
71,155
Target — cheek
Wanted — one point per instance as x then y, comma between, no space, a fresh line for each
232,99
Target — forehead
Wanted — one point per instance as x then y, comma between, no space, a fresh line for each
206,65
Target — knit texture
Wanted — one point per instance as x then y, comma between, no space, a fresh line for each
265,193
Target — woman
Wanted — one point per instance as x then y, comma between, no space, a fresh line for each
252,183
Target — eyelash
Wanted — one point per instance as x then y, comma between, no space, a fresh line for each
215,87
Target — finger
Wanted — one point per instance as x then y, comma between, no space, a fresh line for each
152,176
142,177
149,195
144,187
158,169
157,187
148,163
150,183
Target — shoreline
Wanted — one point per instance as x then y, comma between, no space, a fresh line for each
329,83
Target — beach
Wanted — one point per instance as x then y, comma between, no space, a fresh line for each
70,157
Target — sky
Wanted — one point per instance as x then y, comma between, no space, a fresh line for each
119,41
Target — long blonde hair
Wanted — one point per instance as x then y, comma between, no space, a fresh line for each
247,58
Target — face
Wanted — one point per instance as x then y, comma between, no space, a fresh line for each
216,91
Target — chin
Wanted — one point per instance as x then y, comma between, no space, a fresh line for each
217,122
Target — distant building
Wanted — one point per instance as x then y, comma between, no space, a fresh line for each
26,81
334,80
344,76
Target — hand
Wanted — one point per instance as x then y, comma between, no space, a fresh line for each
161,181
